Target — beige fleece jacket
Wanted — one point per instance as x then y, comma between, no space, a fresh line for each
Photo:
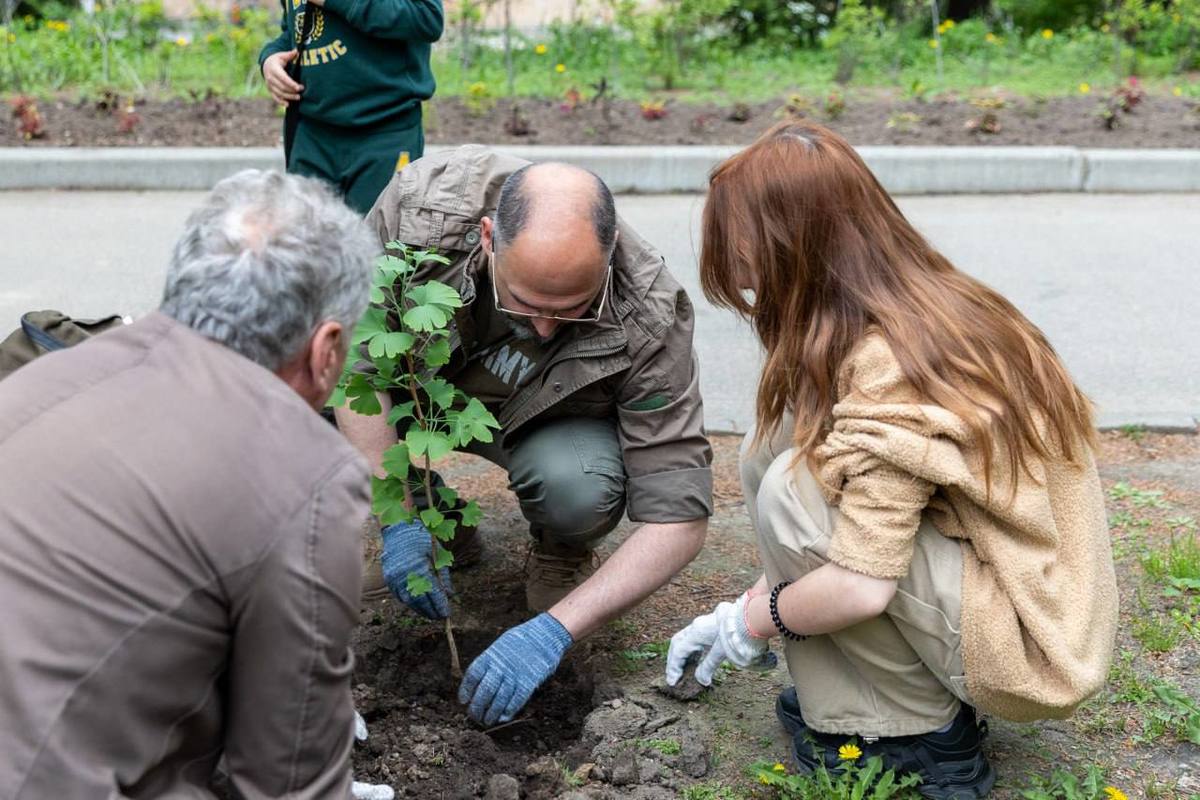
1039,590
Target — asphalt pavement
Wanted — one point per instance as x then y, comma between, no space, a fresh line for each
1113,280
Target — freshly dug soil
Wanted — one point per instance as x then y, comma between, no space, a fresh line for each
216,122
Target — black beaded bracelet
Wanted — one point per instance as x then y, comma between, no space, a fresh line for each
779,626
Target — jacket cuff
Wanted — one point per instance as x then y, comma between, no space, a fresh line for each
680,495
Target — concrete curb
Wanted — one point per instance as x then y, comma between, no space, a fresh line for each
651,170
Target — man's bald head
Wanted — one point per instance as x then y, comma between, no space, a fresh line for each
554,196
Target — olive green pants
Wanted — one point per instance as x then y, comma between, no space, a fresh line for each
898,674
358,163
568,476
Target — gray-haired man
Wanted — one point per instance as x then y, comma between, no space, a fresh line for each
576,336
181,565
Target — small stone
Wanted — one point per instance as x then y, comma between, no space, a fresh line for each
543,766
503,787
625,768
660,722
606,689
693,758
625,722
649,770
615,703
585,772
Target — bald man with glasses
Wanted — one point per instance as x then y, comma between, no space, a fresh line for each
575,335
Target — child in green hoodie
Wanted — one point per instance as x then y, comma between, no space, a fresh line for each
364,73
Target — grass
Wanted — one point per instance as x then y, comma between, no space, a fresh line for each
668,747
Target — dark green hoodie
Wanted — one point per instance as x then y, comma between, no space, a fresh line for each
366,62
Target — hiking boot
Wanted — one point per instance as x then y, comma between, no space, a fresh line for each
466,547
553,570
951,763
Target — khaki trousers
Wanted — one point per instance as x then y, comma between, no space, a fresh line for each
898,674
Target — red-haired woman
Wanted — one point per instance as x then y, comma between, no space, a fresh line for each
920,477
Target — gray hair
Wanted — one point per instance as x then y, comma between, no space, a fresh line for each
267,259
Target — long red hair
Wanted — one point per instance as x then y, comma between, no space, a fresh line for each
832,256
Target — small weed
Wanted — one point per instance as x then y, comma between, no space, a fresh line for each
573,778
1126,684
1177,564
1181,524
653,110
668,747
835,105
852,781
1140,498
1067,786
711,790
1157,633
1134,433
797,107
637,657
479,99
903,121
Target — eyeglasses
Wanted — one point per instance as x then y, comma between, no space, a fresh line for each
526,315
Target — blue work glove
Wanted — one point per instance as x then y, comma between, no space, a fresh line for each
406,548
500,682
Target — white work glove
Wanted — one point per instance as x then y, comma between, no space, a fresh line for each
724,634
367,791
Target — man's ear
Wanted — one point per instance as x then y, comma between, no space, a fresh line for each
326,356
486,231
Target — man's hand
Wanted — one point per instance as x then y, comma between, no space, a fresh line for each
283,89
726,636
406,549
500,682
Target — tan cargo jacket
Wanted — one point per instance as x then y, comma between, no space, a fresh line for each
636,364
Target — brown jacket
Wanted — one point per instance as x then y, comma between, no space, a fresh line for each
636,364
179,577
1039,614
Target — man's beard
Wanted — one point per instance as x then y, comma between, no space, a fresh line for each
524,331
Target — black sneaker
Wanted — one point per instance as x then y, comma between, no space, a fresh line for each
951,764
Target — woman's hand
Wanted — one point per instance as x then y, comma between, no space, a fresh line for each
725,636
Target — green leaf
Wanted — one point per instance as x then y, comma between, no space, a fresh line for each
418,584
447,495
365,402
437,354
422,442
432,518
428,255
396,461
442,557
471,514
444,532
390,345
426,318
440,392
401,411
338,398
474,423
373,321
376,295
387,500
434,293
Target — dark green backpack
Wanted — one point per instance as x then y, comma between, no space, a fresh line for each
44,331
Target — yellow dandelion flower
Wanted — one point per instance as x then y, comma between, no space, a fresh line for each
1177,91
12,37
560,68
1085,88
181,42
1047,34
849,752
1105,28
764,780
991,38
779,767
1113,793
540,49
933,43
948,24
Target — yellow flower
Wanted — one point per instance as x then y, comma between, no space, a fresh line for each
779,767
181,42
764,780
1177,91
12,37
933,43
540,49
1105,28
991,38
1047,34
1176,18
1113,793
58,25
560,68
210,38
1085,88
849,752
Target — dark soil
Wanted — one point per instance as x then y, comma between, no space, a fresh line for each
876,120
